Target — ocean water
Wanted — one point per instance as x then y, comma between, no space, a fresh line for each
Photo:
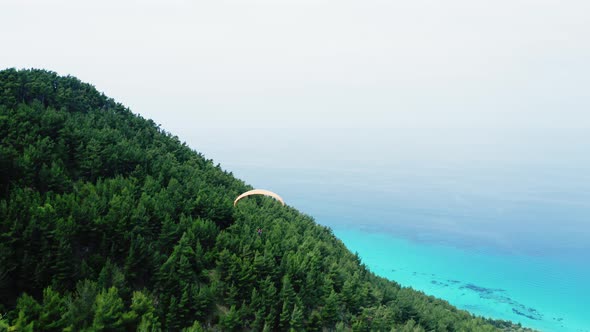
547,295
498,228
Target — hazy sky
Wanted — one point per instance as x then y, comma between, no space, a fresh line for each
191,65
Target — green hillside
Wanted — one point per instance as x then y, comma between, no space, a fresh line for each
107,222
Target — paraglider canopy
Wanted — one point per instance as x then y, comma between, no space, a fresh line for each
259,192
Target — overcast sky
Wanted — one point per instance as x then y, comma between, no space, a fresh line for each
245,64
488,94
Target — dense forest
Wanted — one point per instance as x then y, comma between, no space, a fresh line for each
108,222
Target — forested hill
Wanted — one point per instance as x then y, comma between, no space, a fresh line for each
107,222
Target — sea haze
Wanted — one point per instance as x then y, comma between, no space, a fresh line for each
495,222
511,191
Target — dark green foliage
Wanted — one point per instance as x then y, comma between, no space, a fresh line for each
196,327
108,222
330,311
108,311
296,322
230,321
3,324
52,309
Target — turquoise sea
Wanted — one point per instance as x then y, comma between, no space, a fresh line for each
501,231
546,295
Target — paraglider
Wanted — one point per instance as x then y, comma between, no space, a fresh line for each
259,192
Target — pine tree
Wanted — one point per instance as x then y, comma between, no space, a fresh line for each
231,320
52,310
137,260
330,310
22,323
3,324
179,269
149,323
184,308
80,305
350,296
201,300
108,310
259,317
314,323
196,327
296,322
141,304
111,276
141,314
63,263
285,317
28,308
287,292
172,321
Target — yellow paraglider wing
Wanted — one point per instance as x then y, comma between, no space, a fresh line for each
259,192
